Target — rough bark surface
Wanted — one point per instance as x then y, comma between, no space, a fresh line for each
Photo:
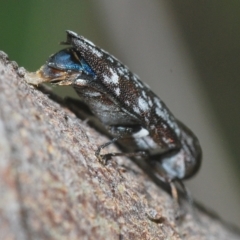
53,187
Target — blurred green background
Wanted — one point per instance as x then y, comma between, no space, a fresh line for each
165,42
31,30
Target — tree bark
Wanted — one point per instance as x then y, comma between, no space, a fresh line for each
53,187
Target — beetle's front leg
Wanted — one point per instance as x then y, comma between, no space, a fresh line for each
119,132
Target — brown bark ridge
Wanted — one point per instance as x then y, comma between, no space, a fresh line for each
53,187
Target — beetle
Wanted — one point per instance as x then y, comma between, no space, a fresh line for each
132,113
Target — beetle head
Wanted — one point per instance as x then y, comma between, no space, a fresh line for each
62,68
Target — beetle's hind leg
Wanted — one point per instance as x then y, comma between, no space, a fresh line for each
178,211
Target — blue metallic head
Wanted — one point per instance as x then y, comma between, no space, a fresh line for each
70,60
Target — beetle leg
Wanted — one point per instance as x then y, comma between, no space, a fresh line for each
177,209
189,198
120,132
103,158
